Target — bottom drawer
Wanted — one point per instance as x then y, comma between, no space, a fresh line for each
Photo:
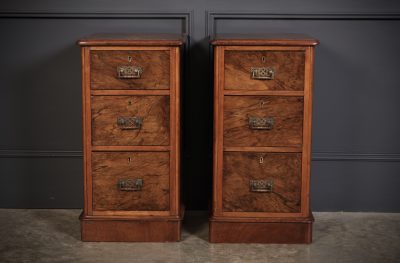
130,181
261,182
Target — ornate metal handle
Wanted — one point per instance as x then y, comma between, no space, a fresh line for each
129,72
129,123
258,123
263,73
261,186
130,185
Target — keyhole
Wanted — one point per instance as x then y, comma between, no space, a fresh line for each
129,103
261,159
129,58
262,103
263,59
129,159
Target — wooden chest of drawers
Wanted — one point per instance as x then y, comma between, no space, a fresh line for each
262,139
131,130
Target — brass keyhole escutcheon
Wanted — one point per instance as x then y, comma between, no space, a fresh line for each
263,59
262,102
129,59
261,160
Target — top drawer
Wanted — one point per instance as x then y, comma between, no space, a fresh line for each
264,70
130,69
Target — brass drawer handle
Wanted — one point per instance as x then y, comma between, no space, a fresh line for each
263,73
261,186
130,185
258,123
129,72
129,123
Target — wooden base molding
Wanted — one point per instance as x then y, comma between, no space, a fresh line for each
296,231
130,230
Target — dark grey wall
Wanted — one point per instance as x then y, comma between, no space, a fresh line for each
356,145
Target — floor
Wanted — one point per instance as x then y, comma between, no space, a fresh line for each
53,236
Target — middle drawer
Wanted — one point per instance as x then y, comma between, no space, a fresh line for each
130,120
256,121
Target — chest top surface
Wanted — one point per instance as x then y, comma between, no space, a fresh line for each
264,39
133,40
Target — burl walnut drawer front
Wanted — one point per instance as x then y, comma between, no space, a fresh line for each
261,182
134,181
264,70
263,121
130,120
130,69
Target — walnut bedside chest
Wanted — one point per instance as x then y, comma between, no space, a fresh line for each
262,138
131,128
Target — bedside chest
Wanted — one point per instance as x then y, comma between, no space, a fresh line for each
131,130
262,138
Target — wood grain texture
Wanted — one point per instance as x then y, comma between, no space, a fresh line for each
129,92
153,109
283,169
134,148
154,63
261,232
286,111
263,149
263,93
110,167
288,67
134,230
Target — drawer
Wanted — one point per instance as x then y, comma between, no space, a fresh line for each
264,70
136,181
130,69
130,120
263,121
261,182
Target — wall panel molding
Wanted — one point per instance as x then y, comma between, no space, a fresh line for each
317,156
353,177
40,154
211,30
186,16
213,16
373,157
